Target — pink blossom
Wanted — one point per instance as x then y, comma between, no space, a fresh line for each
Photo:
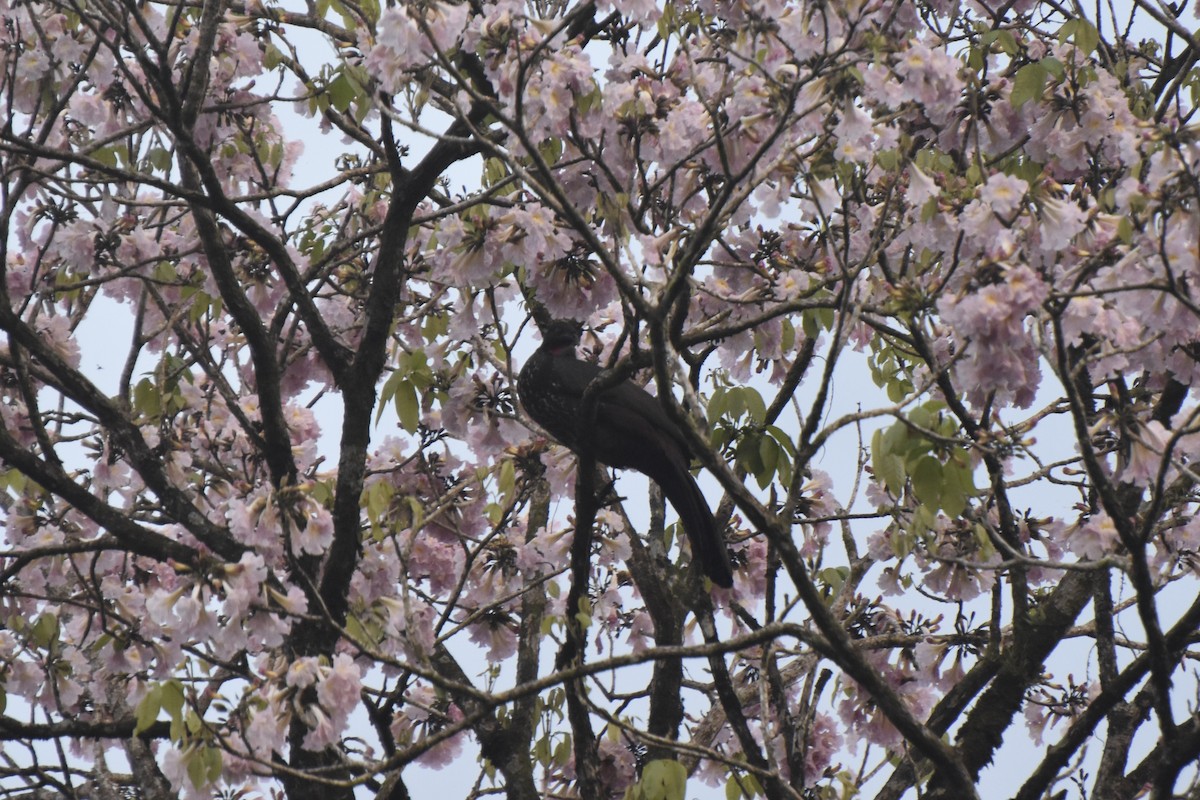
854,132
435,558
340,686
931,78
644,11
303,672
75,244
865,719
412,620
1000,356
313,532
56,330
323,729
1004,193
572,286
400,47
823,744
921,187
547,550
1062,221
419,719
1093,538
1178,545
266,733
1146,455
497,633
804,37
1036,720
957,582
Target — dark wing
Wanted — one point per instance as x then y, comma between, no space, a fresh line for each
630,430
627,438
623,400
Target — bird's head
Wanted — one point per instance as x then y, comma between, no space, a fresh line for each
561,336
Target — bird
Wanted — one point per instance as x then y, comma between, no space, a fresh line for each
631,430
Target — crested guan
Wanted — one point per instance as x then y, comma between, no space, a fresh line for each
631,431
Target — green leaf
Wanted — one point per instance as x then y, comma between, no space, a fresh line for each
898,389
379,499
322,492
716,406
1028,84
1082,32
958,485
781,436
903,542
976,60
562,752
415,366
408,407
1066,31
833,578
1007,42
810,325
888,466
1088,37
197,769
507,481
768,453
356,629
896,440
159,158
494,171
12,479
815,320
541,751
927,481
147,710
147,400
584,614
925,416
172,698
749,457
106,155
551,150
748,785
787,338
272,56
923,519
735,403
387,392
663,779
754,405
1125,230
45,631
342,92
212,759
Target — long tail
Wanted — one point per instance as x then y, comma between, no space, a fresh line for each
708,545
